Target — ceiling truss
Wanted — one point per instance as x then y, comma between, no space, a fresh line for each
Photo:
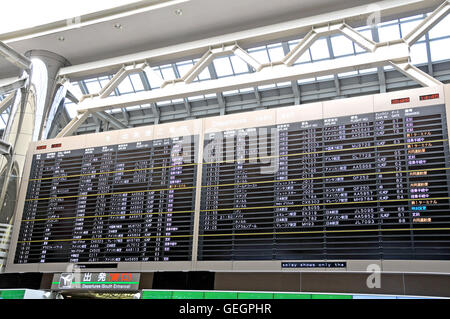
395,53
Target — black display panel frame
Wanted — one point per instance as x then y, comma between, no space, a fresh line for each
309,115
84,184
244,217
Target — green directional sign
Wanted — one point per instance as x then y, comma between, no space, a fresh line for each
96,281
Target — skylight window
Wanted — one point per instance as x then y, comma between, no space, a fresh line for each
239,66
70,108
319,50
347,74
184,67
260,54
419,53
204,75
342,46
441,29
125,86
439,50
93,86
137,82
389,33
365,71
407,27
276,52
167,72
223,67
337,46
154,77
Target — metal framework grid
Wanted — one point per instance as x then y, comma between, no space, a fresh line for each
228,78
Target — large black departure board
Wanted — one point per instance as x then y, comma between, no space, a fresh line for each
367,186
131,202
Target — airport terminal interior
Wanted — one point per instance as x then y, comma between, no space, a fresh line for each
211,149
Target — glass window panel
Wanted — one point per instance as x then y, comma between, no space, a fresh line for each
388,68
309,80
3,121
168,73
125,86
162,103
345,74
276,53
359,49
342,46
137,82
439,49
196,98
71,109
371,70
133,108
261,55
407,27
210,96
154,78
223,67
5,116
283,84
93,86
367,33
76,89
266,87
304,58
232,92
387,23
204,75
419,53
389,33
239,66
419,16
103,81
319,50
325,77
183,68
246,90
292,43
441,29
177,101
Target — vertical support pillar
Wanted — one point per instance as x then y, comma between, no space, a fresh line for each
26,123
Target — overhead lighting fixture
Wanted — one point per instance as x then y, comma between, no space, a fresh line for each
179,12
61,38
118,26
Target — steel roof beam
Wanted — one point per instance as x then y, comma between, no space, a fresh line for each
4,104
289,29
12,84
110,119
14,57
395,52
434,18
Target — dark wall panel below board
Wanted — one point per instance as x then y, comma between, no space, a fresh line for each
390,283
257,282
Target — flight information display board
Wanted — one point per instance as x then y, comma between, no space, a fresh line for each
130,202
367,186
